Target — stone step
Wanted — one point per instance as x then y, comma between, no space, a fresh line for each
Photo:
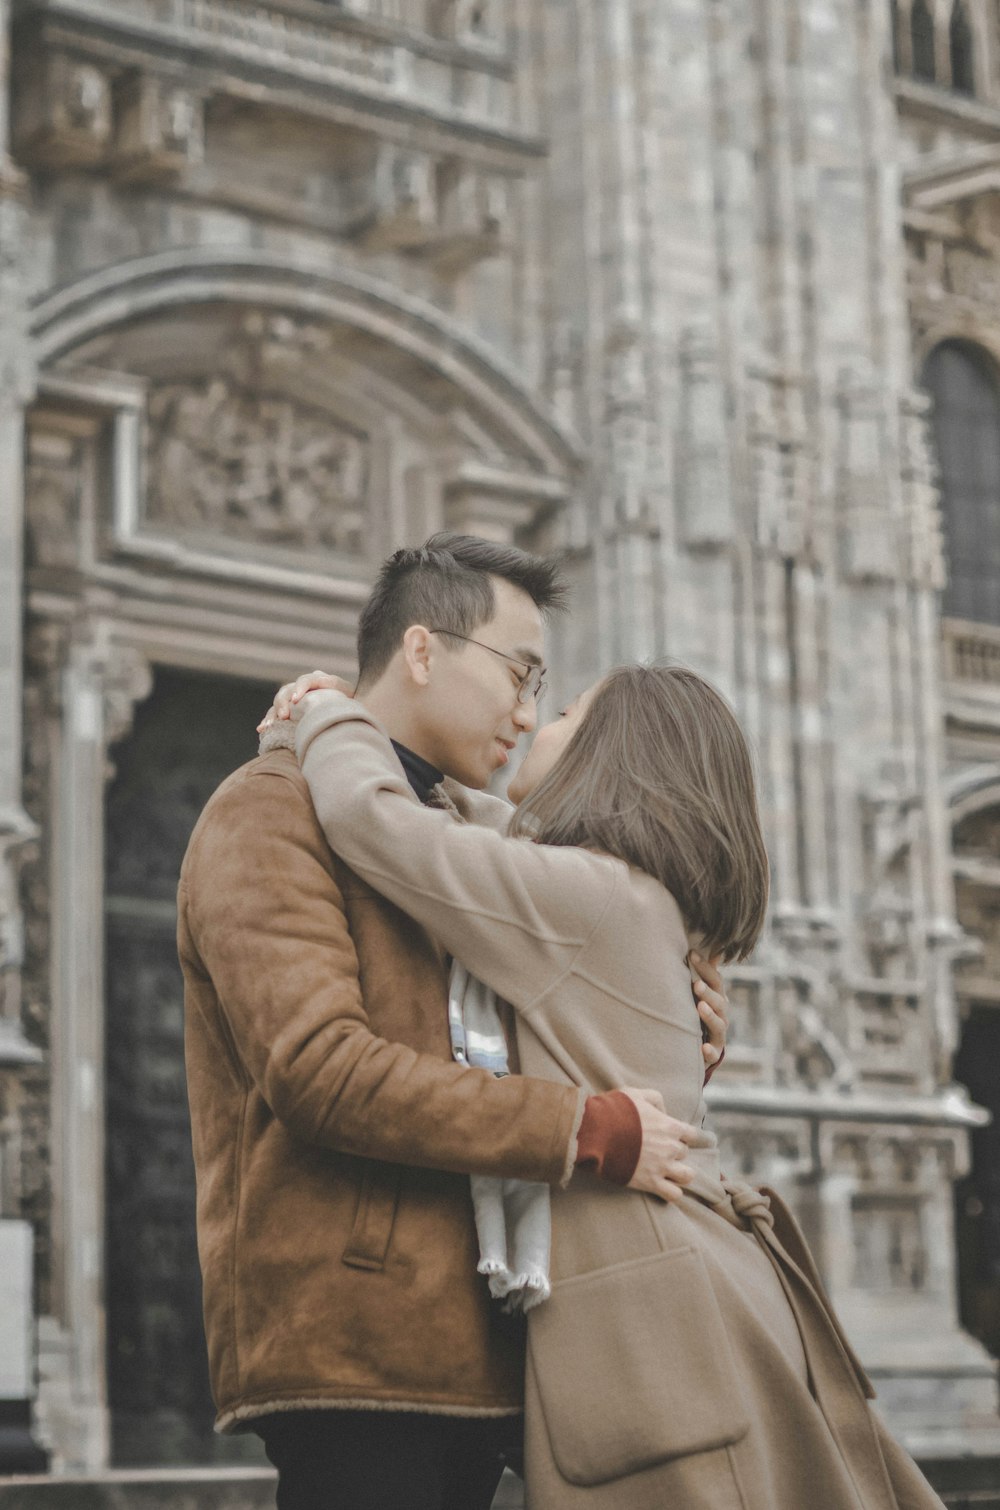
171,1489
963,1485
143,1489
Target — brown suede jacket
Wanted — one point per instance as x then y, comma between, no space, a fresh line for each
332,1130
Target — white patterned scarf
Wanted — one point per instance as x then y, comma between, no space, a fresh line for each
513,1217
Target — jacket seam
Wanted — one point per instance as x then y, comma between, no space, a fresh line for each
191,1000
198,840
236,1236
485,912
571,966
569,1153
634,1006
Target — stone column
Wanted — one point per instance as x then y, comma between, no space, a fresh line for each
19,1451
94,685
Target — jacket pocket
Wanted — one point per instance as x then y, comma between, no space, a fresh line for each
371,1233
634,1366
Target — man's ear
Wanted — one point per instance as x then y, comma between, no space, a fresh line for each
417,646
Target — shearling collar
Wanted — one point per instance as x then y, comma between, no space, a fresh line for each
281,736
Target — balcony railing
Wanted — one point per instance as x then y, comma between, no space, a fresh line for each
972,653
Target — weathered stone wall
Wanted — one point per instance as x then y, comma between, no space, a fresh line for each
647,280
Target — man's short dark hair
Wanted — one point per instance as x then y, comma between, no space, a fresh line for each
446,583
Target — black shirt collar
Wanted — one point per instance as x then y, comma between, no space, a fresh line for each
421,775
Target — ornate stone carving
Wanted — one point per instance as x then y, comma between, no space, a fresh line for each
704,491
895,1178
781,463
54,484
159,127
889,1036
924,534
405,200
45,652
472,212
868,533
764,1150
891,824
497,503
127,680
890,1248
974,277
63,112
255,467
471,22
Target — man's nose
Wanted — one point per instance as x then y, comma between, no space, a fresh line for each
526,716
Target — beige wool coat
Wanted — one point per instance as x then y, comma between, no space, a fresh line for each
688,1358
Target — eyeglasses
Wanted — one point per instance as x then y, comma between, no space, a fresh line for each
532,683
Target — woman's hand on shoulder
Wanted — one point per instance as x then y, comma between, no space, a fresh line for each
710,998
293,692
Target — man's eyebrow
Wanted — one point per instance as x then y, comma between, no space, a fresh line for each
529,657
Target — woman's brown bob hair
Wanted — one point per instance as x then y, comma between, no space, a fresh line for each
659,775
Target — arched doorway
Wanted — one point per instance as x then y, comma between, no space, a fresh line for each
188,735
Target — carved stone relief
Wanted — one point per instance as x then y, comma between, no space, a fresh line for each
223,461
782,466
63,111
970,275
896,1179
889,1036
868,535
704,492
54,484
159,127
764,1150
976,845
45,650
891,825
924,530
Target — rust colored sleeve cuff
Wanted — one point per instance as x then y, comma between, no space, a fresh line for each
610,1138
710,1071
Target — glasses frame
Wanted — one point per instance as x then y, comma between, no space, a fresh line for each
532,684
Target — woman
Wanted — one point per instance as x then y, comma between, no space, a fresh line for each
688,1357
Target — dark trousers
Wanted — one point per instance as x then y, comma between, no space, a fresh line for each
387,1460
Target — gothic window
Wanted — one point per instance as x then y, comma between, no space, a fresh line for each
933,42
963,383
922,41
960,48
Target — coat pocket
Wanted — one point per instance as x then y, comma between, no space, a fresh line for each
633,1366
378,1199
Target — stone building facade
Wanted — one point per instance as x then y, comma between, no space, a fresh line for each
662,284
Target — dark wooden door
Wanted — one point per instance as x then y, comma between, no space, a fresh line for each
189,734
977,1066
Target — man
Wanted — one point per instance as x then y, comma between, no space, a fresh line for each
332,1131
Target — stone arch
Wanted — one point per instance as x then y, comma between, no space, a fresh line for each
127,291
972,791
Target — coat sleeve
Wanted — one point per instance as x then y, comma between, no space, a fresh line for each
515,913
262,917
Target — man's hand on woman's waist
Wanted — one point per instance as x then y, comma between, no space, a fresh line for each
628,1138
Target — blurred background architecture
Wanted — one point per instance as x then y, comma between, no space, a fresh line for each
704,294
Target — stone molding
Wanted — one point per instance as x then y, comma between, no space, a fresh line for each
319,289
359,67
